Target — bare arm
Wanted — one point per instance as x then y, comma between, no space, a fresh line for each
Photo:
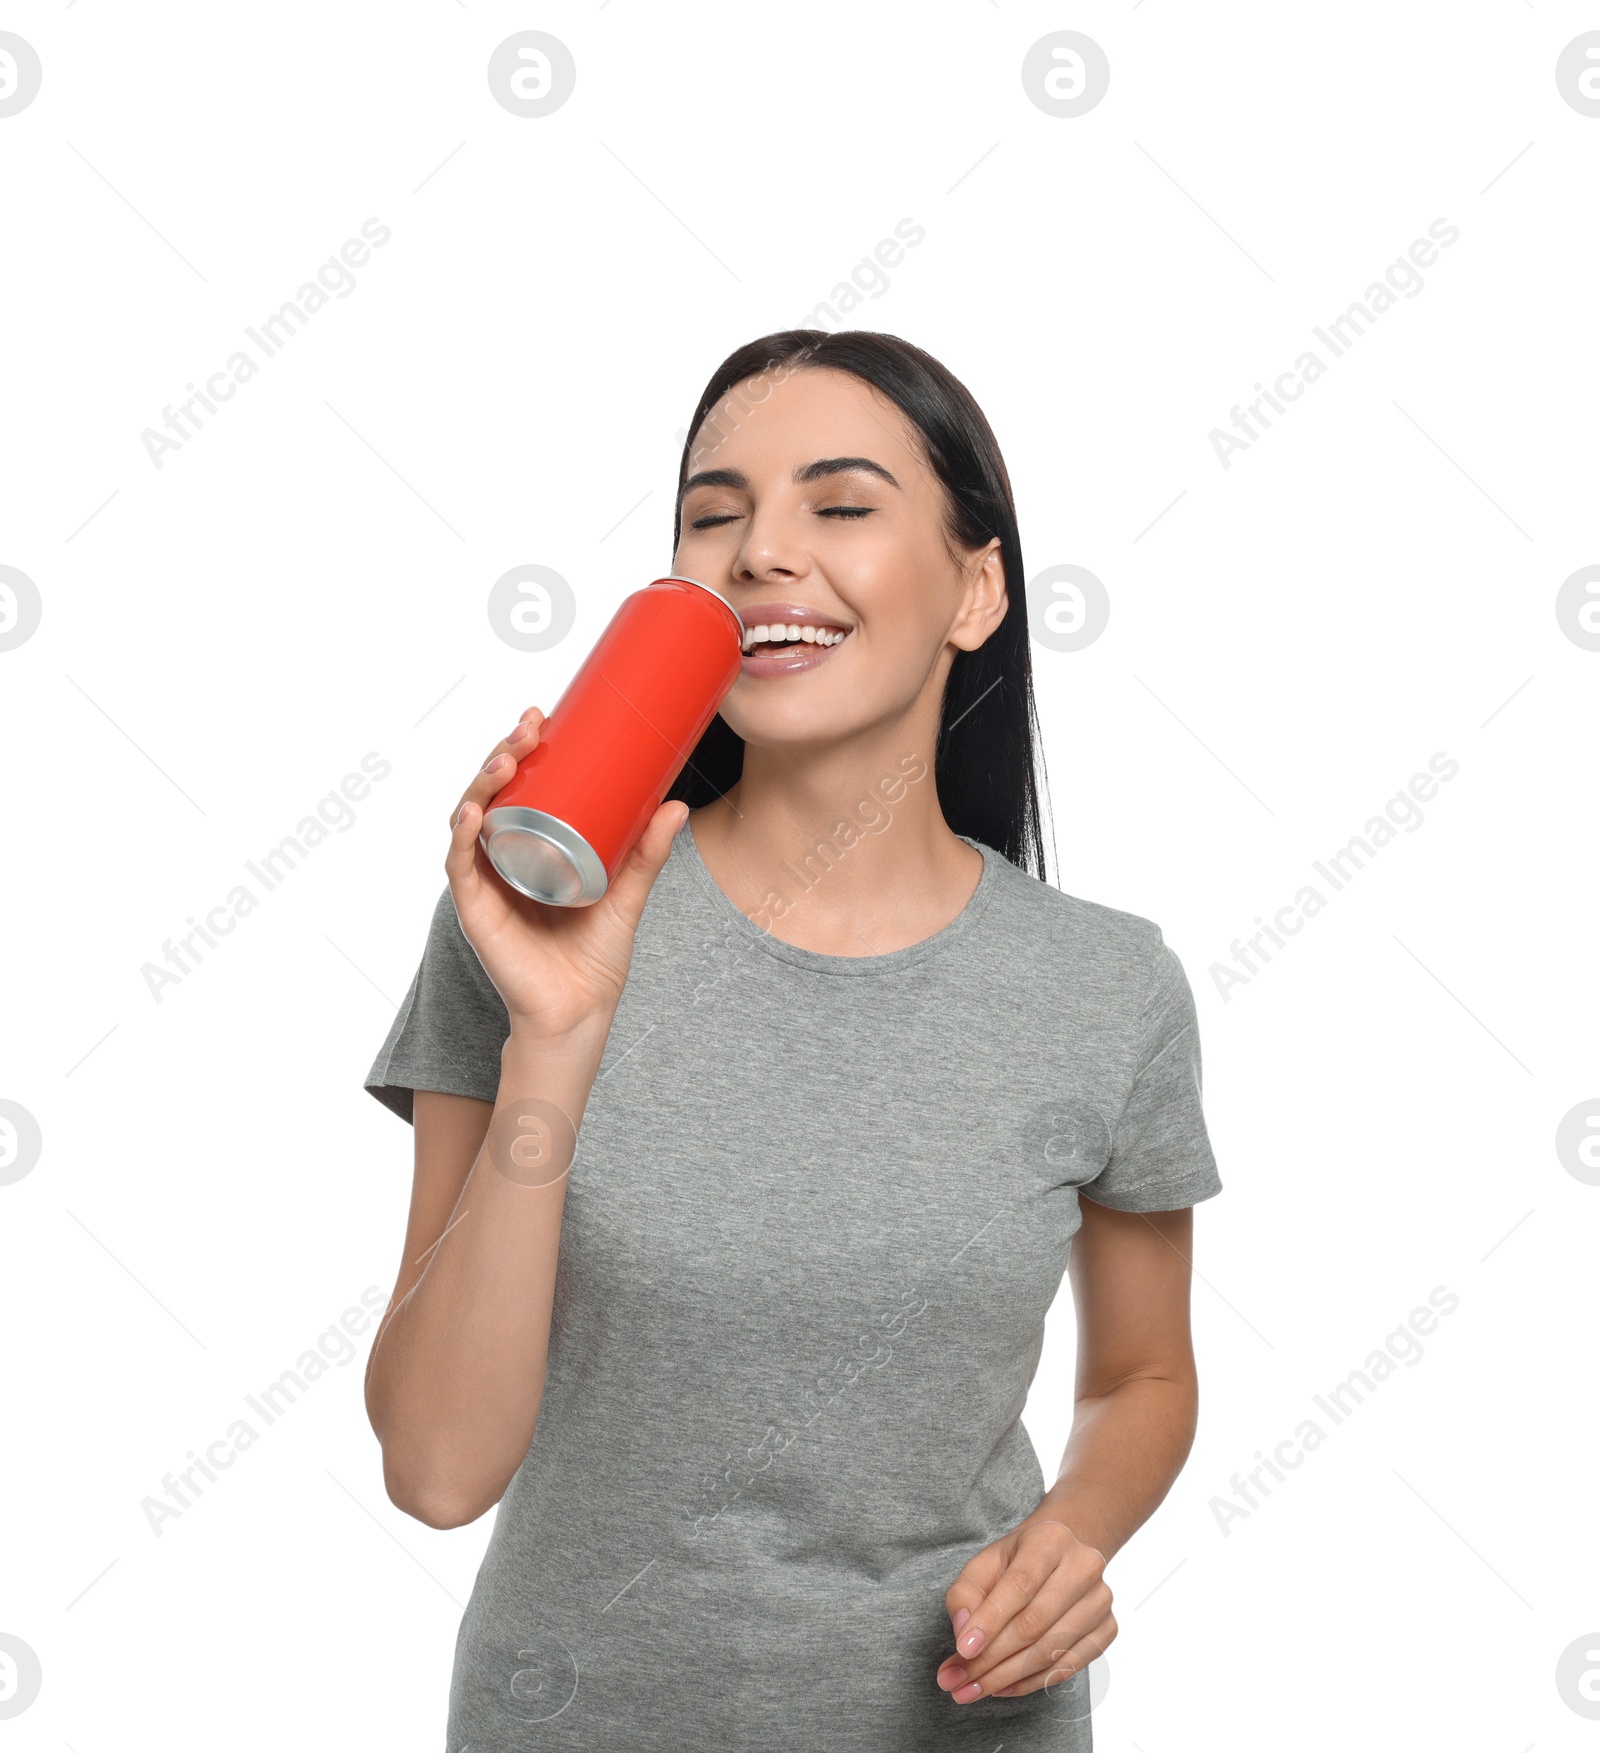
1137,1395
458,1366
1033,1606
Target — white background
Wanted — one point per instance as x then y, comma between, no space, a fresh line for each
1291,638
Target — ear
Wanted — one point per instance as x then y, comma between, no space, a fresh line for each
986,600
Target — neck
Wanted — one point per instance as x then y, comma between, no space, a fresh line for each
843,849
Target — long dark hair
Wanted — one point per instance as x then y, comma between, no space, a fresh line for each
987,768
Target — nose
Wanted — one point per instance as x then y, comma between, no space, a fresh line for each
771,550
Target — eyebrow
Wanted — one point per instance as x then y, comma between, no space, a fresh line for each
817,471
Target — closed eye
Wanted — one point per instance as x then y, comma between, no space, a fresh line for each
711,520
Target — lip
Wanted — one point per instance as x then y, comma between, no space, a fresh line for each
800,656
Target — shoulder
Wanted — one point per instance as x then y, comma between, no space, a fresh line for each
1073,931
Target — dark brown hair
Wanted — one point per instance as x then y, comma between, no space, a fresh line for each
987,767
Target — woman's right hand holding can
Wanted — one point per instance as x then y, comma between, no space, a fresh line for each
559,970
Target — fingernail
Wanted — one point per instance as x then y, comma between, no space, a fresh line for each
493,762
968,1693
520,730
1004,1692
951,1677
972,1642
461,815
963,1614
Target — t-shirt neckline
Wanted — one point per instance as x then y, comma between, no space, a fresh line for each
891,962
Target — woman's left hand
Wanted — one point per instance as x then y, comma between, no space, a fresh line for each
1029,1610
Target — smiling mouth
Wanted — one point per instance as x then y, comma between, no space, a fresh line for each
764,639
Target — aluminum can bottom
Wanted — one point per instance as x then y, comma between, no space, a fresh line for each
543,857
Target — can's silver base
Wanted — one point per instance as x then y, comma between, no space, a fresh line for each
543,857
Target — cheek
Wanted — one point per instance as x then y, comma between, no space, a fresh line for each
898,589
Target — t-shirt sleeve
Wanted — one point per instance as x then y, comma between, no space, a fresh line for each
450,1028
1160,1154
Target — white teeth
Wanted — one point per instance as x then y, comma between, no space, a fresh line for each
763,634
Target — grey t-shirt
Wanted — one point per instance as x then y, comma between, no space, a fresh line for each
819,1208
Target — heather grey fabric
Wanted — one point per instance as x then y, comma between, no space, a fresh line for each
819,1208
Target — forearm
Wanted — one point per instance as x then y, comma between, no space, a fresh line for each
1126,1448
458,1368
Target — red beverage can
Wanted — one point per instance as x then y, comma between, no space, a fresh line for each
614,742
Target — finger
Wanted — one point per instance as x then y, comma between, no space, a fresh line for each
461,860
1048,1571
1088,1616
1050,1597
630,888
973,1583
967,1593
1052,1661
1031,1563
503,758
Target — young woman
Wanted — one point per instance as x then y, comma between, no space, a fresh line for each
740,1196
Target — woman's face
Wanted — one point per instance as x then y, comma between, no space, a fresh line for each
809,503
